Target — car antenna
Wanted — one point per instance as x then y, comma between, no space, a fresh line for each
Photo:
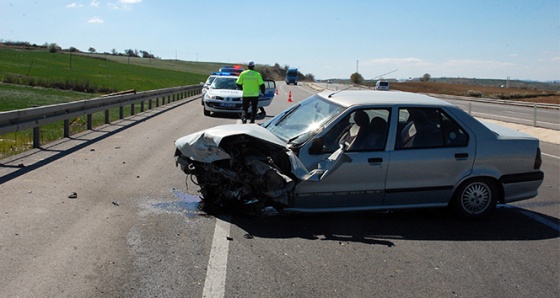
340,90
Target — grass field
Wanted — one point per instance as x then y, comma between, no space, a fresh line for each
14,97
203,68
96,70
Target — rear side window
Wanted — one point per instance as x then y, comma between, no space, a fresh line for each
428,128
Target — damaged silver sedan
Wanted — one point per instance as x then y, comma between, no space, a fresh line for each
363,150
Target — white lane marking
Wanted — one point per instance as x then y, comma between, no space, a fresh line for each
215,283
536,217
550,155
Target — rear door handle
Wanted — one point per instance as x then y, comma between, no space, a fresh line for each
375,160
461,155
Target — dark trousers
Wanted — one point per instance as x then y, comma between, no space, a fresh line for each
253,101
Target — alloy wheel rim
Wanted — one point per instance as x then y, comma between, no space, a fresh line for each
476,198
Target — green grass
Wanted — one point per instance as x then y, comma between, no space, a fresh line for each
203,68
97,71
15,97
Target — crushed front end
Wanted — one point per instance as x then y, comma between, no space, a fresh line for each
237,170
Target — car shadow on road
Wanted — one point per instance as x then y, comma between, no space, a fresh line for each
505,224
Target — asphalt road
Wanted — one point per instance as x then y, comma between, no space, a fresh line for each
133,230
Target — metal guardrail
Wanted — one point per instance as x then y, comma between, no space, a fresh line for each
17,120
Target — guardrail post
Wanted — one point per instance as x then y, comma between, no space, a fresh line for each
66,128
89,121
121,112
36,137
150,104
141,107
131,109
535,115
106,116
470,108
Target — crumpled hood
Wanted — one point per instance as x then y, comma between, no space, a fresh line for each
204,146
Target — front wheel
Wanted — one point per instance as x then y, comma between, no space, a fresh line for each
475,198
206,112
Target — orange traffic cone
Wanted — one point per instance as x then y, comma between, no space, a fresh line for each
290,97
276,91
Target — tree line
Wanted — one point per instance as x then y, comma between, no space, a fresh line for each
53,48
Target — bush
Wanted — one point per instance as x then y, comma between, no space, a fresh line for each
53,48
474,93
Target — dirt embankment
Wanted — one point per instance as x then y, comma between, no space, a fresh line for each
514,94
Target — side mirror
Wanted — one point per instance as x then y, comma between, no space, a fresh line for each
316,146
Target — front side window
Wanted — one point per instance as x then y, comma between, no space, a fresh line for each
428,128
360,130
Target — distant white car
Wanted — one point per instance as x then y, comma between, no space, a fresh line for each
223,97
382,85
364,150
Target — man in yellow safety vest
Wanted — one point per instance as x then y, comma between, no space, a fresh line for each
252,84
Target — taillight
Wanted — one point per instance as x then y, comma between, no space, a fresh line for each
538,160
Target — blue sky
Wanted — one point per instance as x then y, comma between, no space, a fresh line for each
329,39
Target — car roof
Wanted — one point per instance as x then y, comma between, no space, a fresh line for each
368,97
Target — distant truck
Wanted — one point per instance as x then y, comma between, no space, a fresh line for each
292,76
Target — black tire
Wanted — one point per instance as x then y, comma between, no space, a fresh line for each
206,112
475,198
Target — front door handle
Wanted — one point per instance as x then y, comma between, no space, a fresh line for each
375,160
461,155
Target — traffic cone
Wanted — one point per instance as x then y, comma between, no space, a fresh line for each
290,97
276,91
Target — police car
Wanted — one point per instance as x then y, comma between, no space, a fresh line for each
223,96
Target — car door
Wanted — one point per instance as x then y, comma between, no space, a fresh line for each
270,91
358,183
432,152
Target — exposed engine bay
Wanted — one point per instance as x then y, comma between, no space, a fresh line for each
254,175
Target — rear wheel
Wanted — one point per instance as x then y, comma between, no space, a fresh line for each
476,198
